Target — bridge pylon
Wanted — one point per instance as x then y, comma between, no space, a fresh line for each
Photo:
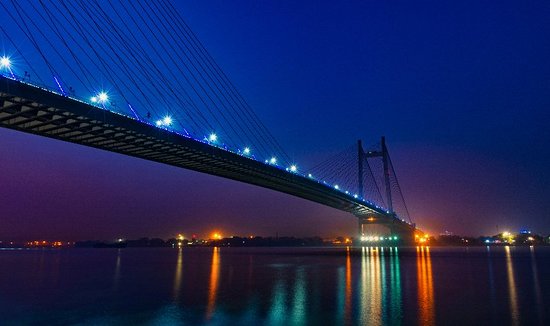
381,229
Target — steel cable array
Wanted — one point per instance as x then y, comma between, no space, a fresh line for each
147,57
145,54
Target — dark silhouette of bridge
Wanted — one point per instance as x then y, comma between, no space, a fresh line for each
55,112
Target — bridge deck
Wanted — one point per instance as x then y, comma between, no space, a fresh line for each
34,110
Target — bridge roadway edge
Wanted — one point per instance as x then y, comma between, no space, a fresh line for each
38,111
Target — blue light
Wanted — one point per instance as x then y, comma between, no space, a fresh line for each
293,168
246,151
213,137
167,120
102,97
273,160
5,62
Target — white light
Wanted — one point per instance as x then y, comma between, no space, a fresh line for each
309,175
5,62
167,120
213,137
159,123
273,160
246,150
355,196
93,99
293,168
336,187
102,97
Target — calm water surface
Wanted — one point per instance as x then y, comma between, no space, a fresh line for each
276,286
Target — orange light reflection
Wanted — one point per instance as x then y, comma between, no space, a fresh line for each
425,286
213,287
347,304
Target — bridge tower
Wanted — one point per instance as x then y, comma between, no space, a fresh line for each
385,160
373,226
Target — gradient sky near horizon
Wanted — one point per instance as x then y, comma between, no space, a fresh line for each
461,90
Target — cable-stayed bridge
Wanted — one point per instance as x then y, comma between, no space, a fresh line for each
133,78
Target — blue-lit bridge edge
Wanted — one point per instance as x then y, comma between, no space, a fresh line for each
46,112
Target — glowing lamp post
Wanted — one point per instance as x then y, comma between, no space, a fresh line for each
5,63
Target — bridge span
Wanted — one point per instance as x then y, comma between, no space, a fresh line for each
31,109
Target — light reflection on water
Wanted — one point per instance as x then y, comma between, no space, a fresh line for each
116,276
395,313
348,308
299,301
536,284
514,314
275,286
177,276
425,286
213,285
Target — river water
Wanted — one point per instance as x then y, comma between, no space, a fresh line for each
276,286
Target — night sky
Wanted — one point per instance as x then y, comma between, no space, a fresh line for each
460,90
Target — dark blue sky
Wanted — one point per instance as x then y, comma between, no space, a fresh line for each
461,91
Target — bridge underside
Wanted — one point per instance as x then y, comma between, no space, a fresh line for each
33,110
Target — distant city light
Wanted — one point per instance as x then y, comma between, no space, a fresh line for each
310,175
213,137
5,62
246,150
93,99
158,123
217,236
336,187
273,160
293,168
